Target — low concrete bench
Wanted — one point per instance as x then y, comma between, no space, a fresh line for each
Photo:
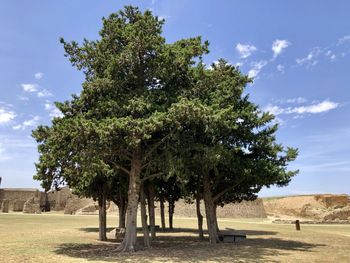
231,237
156,227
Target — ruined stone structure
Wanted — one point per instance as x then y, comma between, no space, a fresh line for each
18,196
57,200
244,209
33,201
32,206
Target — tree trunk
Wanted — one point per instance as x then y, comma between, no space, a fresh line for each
216,218
210,210
171,213
162,214
144,219
152,218
122,212
102,218
130,240
199,217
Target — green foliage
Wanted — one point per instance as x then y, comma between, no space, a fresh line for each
143,95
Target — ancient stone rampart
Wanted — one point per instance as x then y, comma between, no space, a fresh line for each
244,209
18,196
57,199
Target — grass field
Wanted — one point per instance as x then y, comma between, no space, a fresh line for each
64,238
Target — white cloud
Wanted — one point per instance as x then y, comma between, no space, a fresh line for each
298,100
22,98
44,93
278,45
256,68
311,58
28,123
274,109
53,111
6,115
30,87
343,39
323,106
280,68
163,17
245,50
330,55
38,75
314,108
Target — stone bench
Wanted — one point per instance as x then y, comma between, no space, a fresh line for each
156,227
231,237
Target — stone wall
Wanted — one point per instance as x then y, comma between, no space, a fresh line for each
57,199
18,196
64,200
244,209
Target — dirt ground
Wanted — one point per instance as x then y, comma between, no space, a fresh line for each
65,238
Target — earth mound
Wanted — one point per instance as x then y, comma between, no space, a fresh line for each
320,207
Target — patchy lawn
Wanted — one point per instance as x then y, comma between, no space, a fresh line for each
64,238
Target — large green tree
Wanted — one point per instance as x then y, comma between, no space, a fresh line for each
232,148
131,100
149,108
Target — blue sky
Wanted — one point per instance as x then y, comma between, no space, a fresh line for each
298,52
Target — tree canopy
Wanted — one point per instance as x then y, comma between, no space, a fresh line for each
151,109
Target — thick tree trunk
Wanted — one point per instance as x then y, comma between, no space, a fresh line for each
210,211
144,219
199,217
162,214
130,240
171,213
152,218
102,218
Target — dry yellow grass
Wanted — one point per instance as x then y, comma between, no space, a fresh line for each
63,238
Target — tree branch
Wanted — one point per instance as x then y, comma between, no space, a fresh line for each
156,145
121,167
151,176
215,198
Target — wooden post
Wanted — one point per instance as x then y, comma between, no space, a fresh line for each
297,225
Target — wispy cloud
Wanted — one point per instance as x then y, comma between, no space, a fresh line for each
6,115
278,46
314,108
34,88
15,147
320,107
27,123
245,50
22,98
44,93
311,58
298,100
38,75
343,39
330,55
29,87
52,109
256,68
280,68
